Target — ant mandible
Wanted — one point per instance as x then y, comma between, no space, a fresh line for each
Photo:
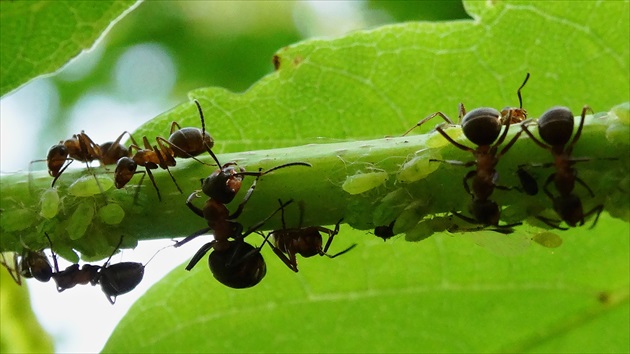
555,128
305,241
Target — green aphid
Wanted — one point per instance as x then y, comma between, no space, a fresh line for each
363,182
419,167
49,203
80,220
111,214
17,219
622,111
547,239
86,186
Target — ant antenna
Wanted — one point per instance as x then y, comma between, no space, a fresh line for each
518,92
203,133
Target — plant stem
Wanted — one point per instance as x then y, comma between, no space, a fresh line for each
392,179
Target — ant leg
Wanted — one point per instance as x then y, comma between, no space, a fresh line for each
331,234
261,223
191,237
579,180
13,270
461,111
429,117
137,193
289,262
546,185
468,176
113,253
173,125
168,150
199,255
505,131
193,207
509,145
534,139
465,218
54,256
148,171
340,253
551,222
284,226
598,209
450,140
241,206
569,147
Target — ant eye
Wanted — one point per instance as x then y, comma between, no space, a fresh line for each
482,126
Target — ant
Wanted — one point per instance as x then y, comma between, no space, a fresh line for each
555,128
305,241
235,263
482,127
81,147
185,142
32,264
517,114
115,279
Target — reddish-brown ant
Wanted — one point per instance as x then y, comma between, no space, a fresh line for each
185,142
80,147
482,127
305,241
115,279
517,115
555,128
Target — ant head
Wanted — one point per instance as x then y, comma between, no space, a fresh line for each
482,126
35,265
125,169
569,208
222,185
57,156
485,211
239,266
555,126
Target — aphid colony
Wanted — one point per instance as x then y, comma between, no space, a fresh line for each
237,264
233,262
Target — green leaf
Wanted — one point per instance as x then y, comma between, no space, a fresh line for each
442,295
39,37
446,293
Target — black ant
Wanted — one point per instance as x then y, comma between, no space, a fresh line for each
482,127
185,142
234,263
305,241
115,279
555,128
31,264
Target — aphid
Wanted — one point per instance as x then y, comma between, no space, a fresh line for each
385,231
115,279
555,128
528,182
305,241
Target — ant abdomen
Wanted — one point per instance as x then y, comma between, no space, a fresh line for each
482,126
188,142
239,266
555,126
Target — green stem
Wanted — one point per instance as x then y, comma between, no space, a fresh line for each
367,183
